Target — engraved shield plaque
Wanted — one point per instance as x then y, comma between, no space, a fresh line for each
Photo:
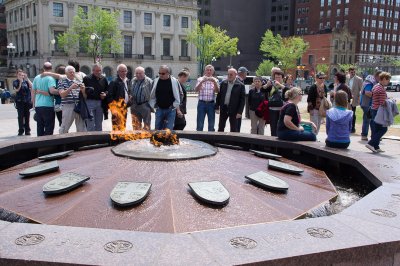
268,181
64,182
129,193
265,154
40,169
284,167
212,192
54,156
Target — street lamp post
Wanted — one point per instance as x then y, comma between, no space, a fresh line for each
28,66
96,45
11,48
230,59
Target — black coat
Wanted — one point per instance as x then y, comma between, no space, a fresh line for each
237,100
116,90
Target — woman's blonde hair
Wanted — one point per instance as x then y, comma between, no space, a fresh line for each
293,93
384,75
341,99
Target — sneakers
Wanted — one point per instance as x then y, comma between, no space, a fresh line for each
379,150
371,148
364,138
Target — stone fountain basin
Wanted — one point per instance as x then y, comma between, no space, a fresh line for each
368,232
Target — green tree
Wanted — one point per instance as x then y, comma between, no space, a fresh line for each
284,50
101,25
345,67
323,68
264,69
211,42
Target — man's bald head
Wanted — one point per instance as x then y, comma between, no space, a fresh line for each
47,66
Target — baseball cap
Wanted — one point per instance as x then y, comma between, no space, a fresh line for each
243,69
320,75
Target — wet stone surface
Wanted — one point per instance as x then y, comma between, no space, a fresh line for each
144,150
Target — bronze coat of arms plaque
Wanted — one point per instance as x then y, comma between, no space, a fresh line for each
284,167
268,181
212,192
129,193
64,182
40,169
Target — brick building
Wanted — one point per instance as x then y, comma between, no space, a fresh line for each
374,22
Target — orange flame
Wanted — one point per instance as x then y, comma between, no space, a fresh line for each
118,110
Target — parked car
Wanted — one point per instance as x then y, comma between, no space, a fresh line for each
394,84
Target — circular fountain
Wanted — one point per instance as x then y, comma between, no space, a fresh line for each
253,227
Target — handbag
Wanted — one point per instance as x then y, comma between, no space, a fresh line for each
82,108
324,106
369,114
275,100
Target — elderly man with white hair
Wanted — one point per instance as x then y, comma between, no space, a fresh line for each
140,109
69,90
119,91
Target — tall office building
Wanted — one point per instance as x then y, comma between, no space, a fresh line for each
154,33
375,23
280,16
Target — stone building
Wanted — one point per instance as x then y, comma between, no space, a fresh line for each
153,33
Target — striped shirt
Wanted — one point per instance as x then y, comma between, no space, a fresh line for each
73,95
378,96
207,90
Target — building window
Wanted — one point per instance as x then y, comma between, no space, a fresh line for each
147,45
322,2
184,48
21,14
346,11
28,38
167,20
379,36
185,23
380,25
35,40
10,17
328,14
166,46
371,47
336,43
337,24
22,43
381,12
372,36
337,12
310,59
34,9
321,14
127,16
58,10
373,23
148,17
374,11
335,57
27,11
15,16
127,45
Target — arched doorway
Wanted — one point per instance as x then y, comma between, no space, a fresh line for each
108,73
148,71
85,69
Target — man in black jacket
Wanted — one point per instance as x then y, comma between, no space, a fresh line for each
119,98
95,97
230,101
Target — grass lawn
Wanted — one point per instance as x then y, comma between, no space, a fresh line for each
359,113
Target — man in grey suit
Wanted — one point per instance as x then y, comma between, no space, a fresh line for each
140,109
355,85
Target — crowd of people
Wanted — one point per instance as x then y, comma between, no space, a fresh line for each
73,97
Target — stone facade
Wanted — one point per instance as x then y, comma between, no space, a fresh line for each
33,26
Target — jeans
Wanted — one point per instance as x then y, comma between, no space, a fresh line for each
377,131
366,121
45,120
95,109
165,118
204,108
339,145
295,135
353,127
23,117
